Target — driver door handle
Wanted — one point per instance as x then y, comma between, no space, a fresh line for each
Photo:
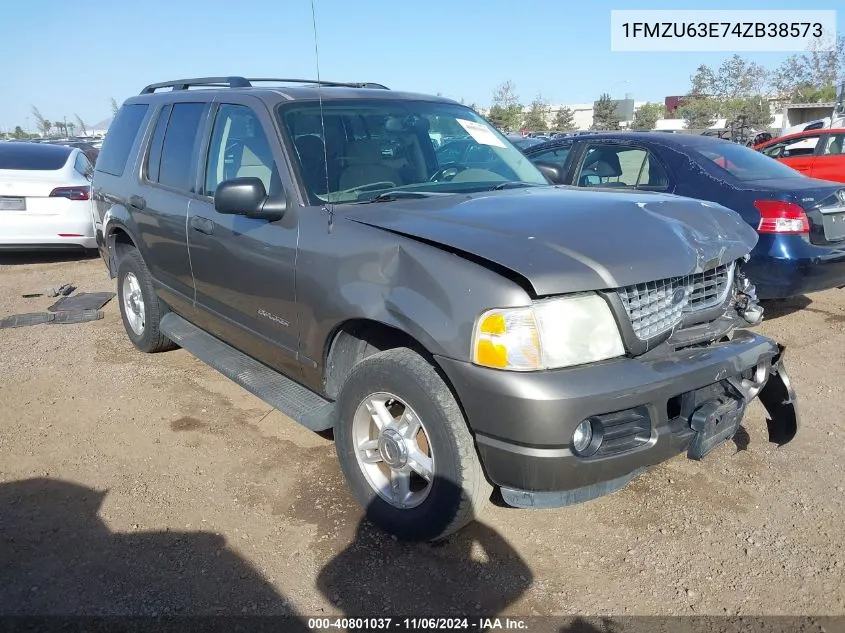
201,224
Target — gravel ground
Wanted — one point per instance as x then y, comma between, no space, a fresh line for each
142,484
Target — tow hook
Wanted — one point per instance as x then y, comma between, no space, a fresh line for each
779,399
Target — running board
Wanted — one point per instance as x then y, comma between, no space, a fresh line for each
288,396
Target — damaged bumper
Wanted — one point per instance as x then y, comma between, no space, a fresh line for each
643,411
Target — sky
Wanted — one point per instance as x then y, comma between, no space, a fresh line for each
69,62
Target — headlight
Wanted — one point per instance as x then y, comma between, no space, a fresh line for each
550,334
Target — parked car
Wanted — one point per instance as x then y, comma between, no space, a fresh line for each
521,142
800,220
45,197
817,153
458,327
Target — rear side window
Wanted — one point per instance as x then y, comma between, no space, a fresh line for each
120,138
177,168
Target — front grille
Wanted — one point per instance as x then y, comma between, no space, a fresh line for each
657,306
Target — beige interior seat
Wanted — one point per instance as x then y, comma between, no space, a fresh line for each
366,166
256,162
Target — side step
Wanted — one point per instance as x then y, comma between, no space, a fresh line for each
286,395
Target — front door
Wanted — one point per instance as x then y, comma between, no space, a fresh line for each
244,268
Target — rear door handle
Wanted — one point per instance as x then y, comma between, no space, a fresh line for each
201,224
137,202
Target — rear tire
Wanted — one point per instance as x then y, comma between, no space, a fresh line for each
140,307
422,429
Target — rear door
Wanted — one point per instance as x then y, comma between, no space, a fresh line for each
243,267
830,161
160,206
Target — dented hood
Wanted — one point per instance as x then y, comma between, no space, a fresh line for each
568,240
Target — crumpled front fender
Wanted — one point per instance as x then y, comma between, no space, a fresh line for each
779,399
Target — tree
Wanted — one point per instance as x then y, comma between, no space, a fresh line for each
699,113
82,127
114,106
19,133
809,77
41,123
735,77
564,120
604,114
60,127
537,117
756,110
647,115
703,82
506,111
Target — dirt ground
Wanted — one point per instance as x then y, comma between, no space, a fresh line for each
149,484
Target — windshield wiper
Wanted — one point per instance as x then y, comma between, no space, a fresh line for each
390,196
514,184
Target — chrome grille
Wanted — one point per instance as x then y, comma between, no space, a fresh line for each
657,306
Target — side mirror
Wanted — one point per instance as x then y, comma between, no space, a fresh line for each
247,196
552,171
590,181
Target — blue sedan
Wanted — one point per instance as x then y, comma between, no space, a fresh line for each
800,220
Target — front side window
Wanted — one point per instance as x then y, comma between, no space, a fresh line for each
239,148
352,151
621,166
803,146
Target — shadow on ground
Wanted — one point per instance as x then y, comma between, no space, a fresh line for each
16,258
775,309
57,557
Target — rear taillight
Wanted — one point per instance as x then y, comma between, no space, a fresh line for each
777,216
72,193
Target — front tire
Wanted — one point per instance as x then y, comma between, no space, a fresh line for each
140,307
405,448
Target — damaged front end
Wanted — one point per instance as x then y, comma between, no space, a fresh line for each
717,418
715,412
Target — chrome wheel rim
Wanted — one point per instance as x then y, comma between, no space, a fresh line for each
133,303
393,450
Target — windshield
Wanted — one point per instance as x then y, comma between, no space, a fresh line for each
362,149
744,163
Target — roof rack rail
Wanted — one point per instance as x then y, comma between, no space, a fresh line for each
243,82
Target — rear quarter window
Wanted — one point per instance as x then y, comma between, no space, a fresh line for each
120,138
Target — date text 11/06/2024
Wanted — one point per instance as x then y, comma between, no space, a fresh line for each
417,624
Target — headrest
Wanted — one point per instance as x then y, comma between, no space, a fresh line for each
603,163
310,146
365,151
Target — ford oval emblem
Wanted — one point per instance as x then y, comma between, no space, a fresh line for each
678,296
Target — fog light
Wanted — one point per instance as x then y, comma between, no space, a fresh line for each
583,437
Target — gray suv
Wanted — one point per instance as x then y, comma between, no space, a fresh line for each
458,326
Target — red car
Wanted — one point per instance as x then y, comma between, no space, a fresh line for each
815,153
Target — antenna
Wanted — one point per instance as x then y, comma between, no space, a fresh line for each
329,206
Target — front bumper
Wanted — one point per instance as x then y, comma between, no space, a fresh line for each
523,422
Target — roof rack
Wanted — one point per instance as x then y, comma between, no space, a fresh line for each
243,82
